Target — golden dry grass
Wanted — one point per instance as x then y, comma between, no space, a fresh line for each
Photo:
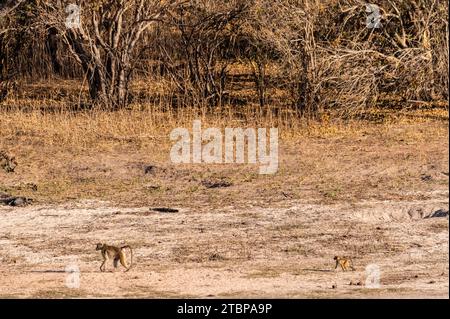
102,155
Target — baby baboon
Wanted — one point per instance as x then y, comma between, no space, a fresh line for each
7,163
344,262
115,253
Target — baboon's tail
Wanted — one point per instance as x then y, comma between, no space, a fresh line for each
131,260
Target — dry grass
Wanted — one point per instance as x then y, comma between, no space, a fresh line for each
103,155
371,152
344,186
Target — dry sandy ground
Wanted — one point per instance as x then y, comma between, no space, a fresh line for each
282,252
362,190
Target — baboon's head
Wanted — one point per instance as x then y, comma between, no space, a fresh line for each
9,164
99,246
12,164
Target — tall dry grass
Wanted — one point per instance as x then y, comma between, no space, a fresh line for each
56,124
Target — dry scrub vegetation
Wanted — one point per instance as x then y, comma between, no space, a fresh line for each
123,157
281,58
87,109
363,121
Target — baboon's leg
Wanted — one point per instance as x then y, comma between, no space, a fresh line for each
102,266
116,262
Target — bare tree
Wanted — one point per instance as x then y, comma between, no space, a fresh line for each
6,9
302,56
197,61
105,41
331,58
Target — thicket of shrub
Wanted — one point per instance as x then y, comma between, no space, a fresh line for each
305,55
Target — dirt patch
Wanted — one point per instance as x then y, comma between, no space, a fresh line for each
410,211
377,193
257,252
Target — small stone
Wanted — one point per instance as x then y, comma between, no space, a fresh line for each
165,210
441,213
18,202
